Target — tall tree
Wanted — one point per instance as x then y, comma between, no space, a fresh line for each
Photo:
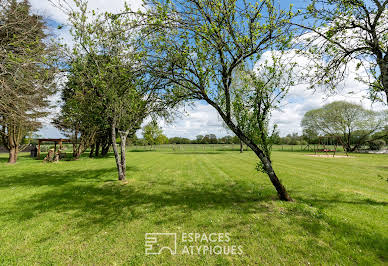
345,36
198,44
128,95
26,73
152,132
350,122
83,112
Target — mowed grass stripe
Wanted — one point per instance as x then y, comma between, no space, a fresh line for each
77,213
327,168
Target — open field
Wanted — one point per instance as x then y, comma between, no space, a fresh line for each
226,147
209,147
75,212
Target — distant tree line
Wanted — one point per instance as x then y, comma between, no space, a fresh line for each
290,139
159,138
305,139
339,123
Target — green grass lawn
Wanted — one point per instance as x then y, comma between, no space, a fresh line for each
75,212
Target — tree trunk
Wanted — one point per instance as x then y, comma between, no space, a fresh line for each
116,152
267,165
74,150
78,151
75,143
241,146
12,144
91,154
383,65
97,151
105,149
123,138
13,155
281,190
105,141
347,147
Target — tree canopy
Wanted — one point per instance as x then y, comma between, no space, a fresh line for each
107,84
27,72
347,36
350,122
196,46
152,133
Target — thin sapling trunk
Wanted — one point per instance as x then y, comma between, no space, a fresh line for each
119,155
123,139
116,152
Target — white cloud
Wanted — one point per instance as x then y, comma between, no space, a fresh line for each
289,118
51,10
47,9
199,119
203,119
301,99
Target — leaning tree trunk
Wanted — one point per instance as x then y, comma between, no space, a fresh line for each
267,165
281,190
241,146
121,175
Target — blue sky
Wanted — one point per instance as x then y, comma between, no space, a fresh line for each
202,118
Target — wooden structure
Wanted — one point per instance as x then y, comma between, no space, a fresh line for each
56,141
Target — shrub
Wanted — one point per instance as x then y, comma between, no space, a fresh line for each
376,145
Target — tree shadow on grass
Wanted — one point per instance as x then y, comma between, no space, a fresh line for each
55,178
195,152
313,220
327,201
133,150
85,155
100,204
21,156
3,160
95,205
